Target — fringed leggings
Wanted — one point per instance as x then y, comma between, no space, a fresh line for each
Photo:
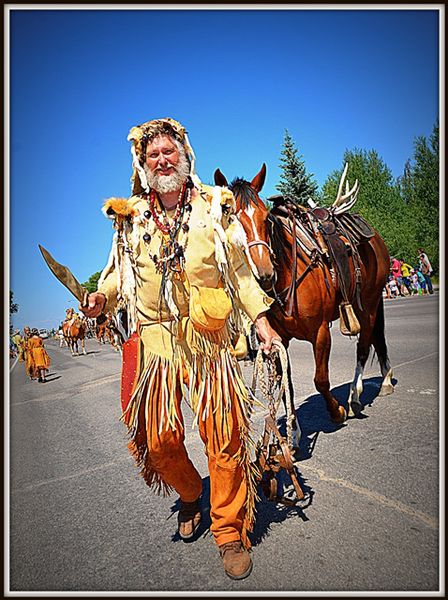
158,446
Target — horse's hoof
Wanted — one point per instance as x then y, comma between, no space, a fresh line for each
354,409
386,390
341,416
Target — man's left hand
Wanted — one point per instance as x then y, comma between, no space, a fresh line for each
266,334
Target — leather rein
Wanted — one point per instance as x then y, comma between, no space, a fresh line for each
289,291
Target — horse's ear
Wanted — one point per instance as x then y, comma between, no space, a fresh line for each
220,179
258,181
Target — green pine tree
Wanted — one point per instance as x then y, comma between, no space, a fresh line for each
295,183
91,284
13,306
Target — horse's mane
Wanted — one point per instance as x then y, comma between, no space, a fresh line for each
276,237
244,192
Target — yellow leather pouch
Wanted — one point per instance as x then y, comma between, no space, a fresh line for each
209,307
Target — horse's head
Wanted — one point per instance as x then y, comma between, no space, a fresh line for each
253,215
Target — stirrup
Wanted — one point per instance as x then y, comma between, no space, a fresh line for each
348,322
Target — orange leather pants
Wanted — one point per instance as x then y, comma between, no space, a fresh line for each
228,487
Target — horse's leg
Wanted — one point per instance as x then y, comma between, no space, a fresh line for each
83,344
372,332
379,343
321,349
362,354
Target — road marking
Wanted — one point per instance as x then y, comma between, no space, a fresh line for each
69,394
410,362
431,522
33,486
13,364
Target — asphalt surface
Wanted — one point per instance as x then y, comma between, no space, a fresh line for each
81,519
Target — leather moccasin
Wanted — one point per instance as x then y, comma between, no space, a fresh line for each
236,559
189,519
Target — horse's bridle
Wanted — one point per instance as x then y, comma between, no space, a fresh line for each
261,243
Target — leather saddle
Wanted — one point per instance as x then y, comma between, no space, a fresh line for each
335,238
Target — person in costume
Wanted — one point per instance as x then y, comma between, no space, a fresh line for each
19,343
70,316
27,354
179,268
39,359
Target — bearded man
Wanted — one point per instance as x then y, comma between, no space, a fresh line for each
178,267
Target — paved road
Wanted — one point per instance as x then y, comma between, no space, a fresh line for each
81,518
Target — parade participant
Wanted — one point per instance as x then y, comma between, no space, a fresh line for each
70,316
27,354
39,359
19,343
178,266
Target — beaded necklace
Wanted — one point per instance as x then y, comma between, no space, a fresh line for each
172,252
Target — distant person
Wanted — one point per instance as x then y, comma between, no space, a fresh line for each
39,359
426,269
413,277
405,281
392,288
71,316
395,269
60,334
19,343
27,355
422,281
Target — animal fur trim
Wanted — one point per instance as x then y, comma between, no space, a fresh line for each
120,207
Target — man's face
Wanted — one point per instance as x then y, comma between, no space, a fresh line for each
162,156
166,166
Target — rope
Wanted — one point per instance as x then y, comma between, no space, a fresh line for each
269,379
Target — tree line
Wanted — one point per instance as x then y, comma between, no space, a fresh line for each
404,210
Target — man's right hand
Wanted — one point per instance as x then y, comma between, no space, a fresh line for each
94,305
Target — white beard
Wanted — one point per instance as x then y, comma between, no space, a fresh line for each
169,183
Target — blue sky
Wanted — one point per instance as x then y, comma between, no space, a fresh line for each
80,79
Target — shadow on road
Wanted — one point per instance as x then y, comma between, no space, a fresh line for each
267,512
314,419
313,416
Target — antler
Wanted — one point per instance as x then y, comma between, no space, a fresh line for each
346,201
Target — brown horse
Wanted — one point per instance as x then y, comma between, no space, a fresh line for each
317,295
74,331
106,328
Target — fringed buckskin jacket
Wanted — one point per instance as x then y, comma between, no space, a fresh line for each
187,335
